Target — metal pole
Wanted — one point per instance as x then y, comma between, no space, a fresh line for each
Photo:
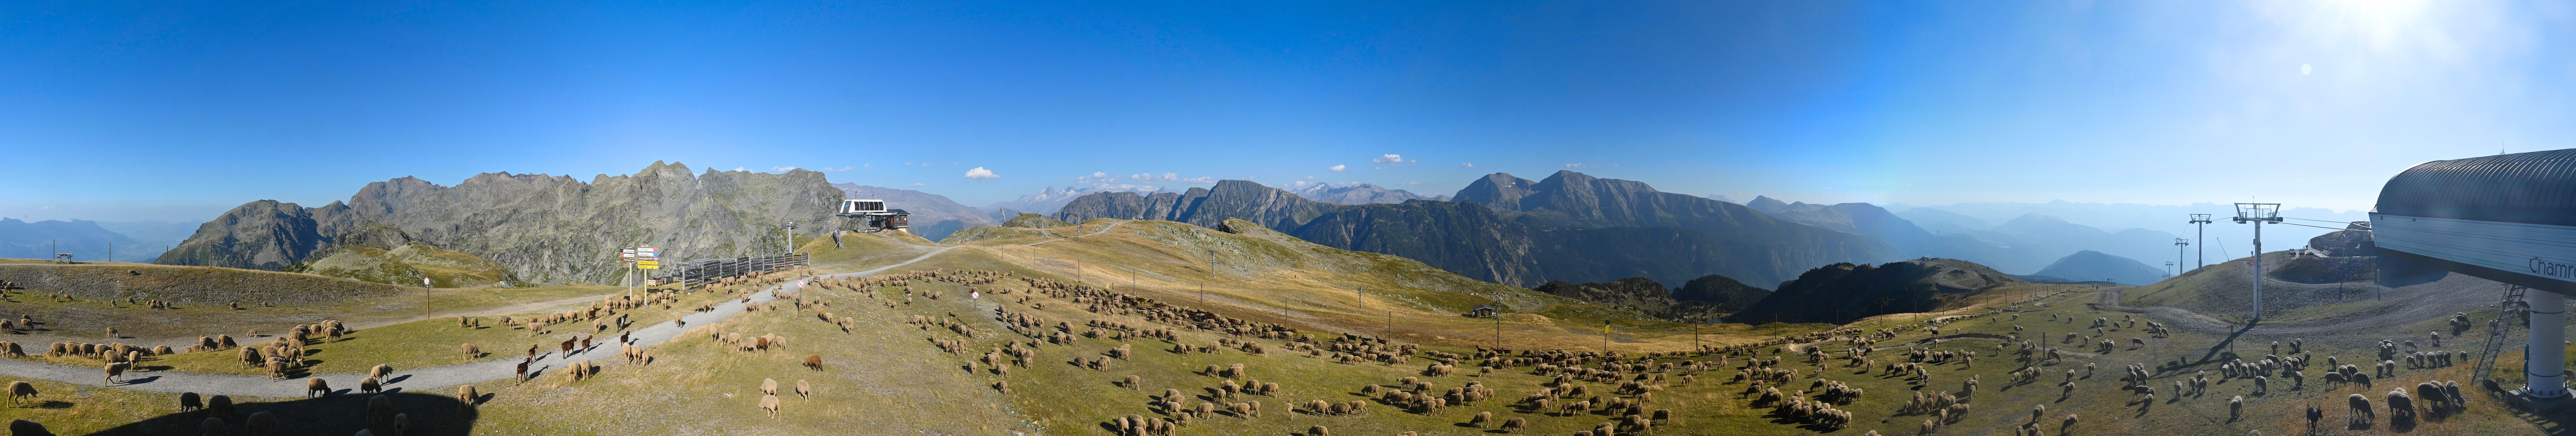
2258,273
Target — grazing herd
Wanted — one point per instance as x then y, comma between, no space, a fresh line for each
1612,393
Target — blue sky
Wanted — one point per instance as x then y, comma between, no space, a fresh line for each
122,111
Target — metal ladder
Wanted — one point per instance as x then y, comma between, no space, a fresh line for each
2496,331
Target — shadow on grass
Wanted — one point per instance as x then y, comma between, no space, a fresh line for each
429,415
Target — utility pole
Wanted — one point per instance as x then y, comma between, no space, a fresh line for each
2179,243
2201,235
2169,269
1605,337
789,230
2257,213
1361,294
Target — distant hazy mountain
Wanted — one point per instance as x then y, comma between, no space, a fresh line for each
2226,239
150,237
545,229
934,216
86,240
1941,221
1362,193
2094,265
1571,227
1841,293
1867,219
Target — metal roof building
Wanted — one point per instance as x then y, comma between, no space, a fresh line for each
2509,218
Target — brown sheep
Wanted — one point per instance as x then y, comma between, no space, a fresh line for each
1318,431
769,403
317,387
465,396
220,405
25,427
380,409
814,361
20,389
190,401
804,390
260,424
472,351
381,371
114,371
369,386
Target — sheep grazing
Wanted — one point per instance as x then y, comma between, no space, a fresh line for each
804,390
1515,425
115,371
20,389
769,404
1132,381
814,361
189,401
220,405
260,424
1318,431
769,386
381,409
2360,406
472,351
381,371
465,396
316,387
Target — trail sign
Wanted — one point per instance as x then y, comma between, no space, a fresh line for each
648,262
649,266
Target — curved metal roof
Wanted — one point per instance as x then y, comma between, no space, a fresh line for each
2531,188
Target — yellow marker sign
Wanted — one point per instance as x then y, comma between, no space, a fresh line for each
648,262
649,266
1605,329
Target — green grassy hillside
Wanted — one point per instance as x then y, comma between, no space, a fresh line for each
406,264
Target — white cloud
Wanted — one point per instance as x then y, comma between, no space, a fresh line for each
867,166
741,169
925,164
1412,183
979,173
781,169
1300,183
1337,167
1467,165
1171,176
1099,174
1198,180
1388,159
1573,166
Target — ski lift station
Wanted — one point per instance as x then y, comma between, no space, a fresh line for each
870,216
2509,218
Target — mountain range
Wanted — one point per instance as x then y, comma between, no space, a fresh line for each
1360,193
545,229
1568,227
2089,265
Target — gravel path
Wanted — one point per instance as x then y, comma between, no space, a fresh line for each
433,380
